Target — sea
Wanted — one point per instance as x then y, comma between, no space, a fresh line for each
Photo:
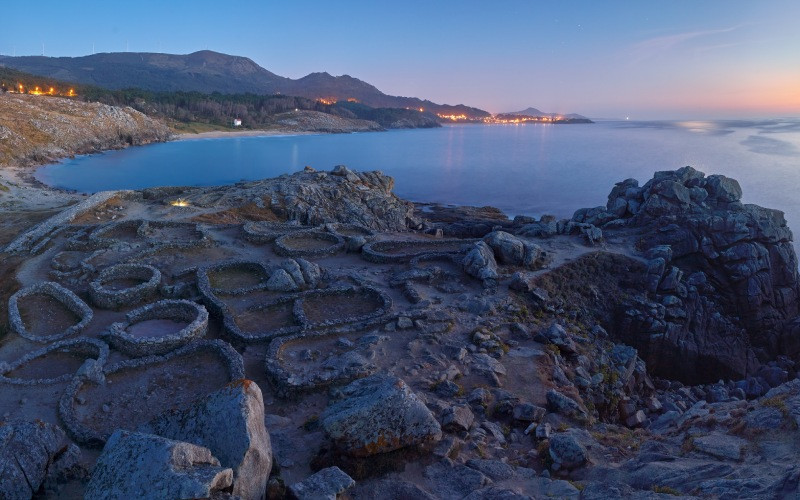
523,169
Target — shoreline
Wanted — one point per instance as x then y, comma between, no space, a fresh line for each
223,134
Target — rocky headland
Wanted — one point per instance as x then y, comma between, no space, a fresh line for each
38,130
314,336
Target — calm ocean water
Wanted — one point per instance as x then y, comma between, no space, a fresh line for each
522,169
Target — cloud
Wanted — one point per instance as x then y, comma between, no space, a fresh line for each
652,47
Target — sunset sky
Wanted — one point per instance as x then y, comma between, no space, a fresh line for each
666,59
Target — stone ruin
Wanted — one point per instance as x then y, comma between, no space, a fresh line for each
376,344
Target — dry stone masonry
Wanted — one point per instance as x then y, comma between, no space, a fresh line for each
312,335
193,315
50,289
114,298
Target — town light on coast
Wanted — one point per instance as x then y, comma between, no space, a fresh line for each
37,90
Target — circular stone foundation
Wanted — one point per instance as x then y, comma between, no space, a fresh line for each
124,285
267,232
390,251
234,277
309,244
67,261
82,348
150,330
173,380
117,232
174,234
52,325
326,308
349,230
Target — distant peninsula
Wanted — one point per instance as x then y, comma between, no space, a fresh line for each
534,115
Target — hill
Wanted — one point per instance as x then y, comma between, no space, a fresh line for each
207,71
530,111
194,110
36,130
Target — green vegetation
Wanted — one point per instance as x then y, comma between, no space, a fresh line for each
776,402
311,423
666,490
198,111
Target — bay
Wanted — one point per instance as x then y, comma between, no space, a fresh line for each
529,169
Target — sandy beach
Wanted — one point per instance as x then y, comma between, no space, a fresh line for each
221,134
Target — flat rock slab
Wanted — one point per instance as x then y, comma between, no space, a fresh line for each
137,465
485,363
230,423
379,414
454,481
325,484
26,451
721,446
391,489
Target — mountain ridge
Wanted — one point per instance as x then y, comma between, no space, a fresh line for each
209,71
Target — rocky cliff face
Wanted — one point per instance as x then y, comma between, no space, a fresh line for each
41,129
722,276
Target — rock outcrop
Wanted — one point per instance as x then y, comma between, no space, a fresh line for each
378,414
138,465
480,263
27,450
230,423
314,198
39,130
723,278
513,251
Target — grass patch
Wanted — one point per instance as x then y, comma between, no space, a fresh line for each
666,490
688,445
311,423
776,402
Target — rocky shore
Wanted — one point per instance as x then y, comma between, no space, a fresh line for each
38,130
314,336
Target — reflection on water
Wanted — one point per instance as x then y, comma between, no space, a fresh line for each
769,146
700,127
529,169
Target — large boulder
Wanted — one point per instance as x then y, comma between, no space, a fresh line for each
480,263
511,250
566,452
27,449
452,481
138,465
378,414
564,405
229,422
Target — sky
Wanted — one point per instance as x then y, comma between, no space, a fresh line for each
643,59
